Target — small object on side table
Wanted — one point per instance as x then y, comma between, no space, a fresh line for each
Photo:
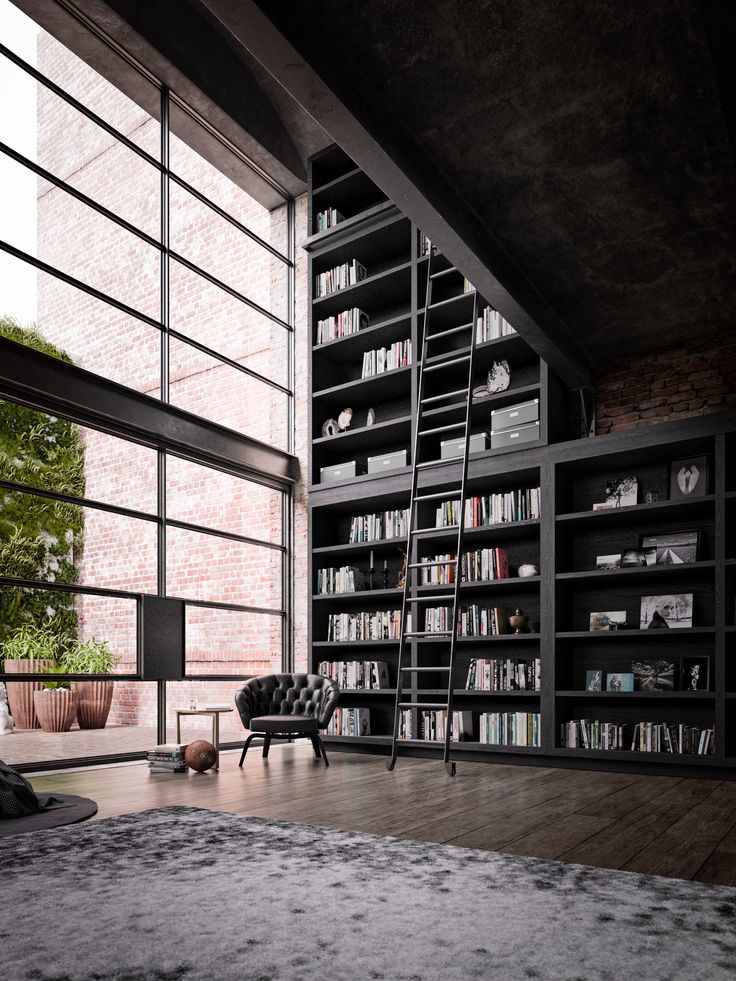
519,621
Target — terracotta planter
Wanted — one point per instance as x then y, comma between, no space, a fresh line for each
93,703
20,695
55,709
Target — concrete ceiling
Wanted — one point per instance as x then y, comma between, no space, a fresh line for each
589,137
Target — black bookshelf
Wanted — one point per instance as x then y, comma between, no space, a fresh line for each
564,543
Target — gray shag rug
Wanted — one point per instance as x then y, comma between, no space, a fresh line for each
184,894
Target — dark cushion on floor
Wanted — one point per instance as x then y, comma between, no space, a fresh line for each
284,723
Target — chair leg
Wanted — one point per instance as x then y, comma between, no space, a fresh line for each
324,751
315,746
245,748
266,744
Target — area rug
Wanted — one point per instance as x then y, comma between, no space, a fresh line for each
184,894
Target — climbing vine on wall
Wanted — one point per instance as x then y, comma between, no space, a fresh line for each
40,538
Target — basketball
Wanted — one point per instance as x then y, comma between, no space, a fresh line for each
200,755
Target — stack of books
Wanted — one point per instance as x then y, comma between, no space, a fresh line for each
168,758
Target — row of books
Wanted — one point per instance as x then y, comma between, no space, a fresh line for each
328,219
472,621
504,674
644,737
378,625
375,362
348,322
346,579
350,722
481,565
433,725
510,728
348,274
491,325
492,509
376,527
168,758
356,674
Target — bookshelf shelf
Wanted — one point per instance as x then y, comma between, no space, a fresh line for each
564,544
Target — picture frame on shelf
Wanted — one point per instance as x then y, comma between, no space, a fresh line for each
689,478
695,673
638,557
594,680
606,562
622,492
674,548
670,612
607,620
653,675
620,681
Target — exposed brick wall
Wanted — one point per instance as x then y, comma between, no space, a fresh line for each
121,552
689,381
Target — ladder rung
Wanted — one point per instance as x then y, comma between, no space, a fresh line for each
428,565
428,633
442,496
443,272
444,429
427,531
422,705
447,333
425,670
445,395
431,598
439,463
438,366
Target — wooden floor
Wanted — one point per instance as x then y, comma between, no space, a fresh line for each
669,826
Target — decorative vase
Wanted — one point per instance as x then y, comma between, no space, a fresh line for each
94,699
518,621
20,694
527,570
55,708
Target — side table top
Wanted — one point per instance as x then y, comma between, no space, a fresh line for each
202,711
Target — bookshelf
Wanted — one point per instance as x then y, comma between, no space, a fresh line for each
563,543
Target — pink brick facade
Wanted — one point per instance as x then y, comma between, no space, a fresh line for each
121,552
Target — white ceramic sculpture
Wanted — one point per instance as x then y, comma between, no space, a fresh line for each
6,719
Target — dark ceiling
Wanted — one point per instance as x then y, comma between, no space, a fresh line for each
589,137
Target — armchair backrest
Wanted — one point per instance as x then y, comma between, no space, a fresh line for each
311,695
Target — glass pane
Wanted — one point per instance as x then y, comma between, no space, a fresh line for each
217,391
78,241
212,317
82,329
54,541
119,472
43,623
202,496
231,642
219,570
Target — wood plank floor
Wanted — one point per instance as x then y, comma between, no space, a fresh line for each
671,826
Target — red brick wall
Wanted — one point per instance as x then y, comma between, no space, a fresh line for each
689,381
121,552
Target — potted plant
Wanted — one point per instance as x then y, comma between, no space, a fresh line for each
55,703
28,650
94,697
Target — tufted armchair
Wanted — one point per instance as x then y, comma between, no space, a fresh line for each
287,706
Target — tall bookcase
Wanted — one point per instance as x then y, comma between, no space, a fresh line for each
563,544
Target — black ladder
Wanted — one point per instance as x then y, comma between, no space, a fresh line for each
427,366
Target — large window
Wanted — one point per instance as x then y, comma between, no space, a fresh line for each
134,243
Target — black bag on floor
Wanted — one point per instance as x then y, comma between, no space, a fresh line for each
17,796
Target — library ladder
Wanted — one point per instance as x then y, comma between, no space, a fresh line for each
411,601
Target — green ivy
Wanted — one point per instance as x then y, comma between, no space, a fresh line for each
39,538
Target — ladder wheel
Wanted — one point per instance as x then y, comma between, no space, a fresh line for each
450,767
390,763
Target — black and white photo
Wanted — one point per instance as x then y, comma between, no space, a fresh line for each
675,548
695,673
667,612
689,477
654,675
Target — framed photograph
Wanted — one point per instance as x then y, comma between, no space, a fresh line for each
689,477
622,492
594,681
676,548
611,620
666,612
638,557
608,561
620,681
695,673
653,675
